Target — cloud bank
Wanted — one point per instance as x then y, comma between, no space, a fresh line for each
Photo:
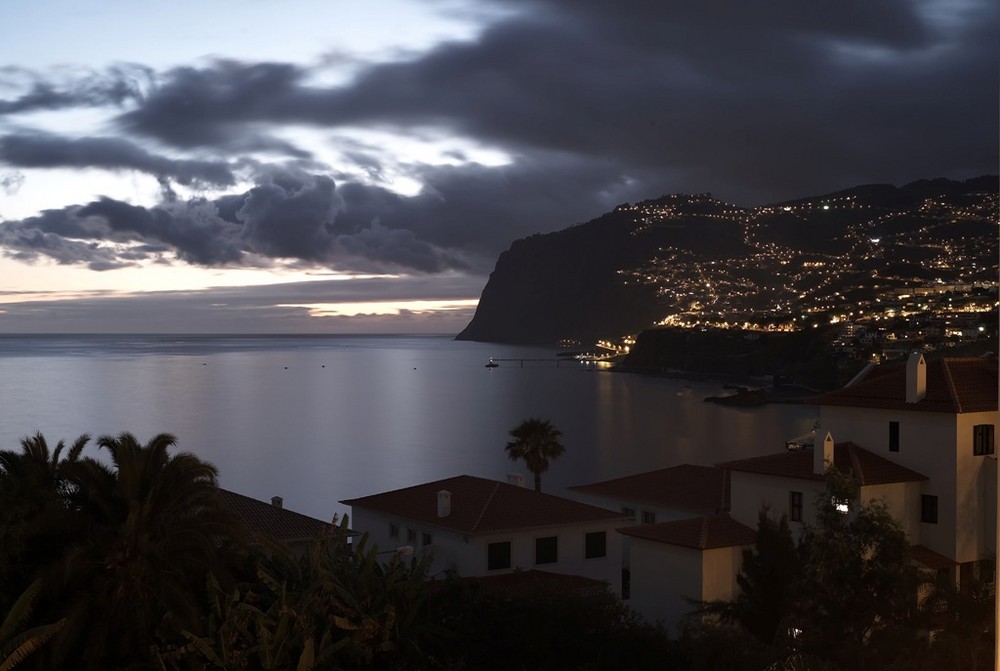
591,105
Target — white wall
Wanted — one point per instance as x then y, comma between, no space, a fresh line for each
661,577
664,578
902,500
719,569
975,484
939,446
467,555
750,491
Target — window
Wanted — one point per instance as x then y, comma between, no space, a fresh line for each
842,506
928,509
894,436
648,517
426,539
498,556
547,550
982,439
795,506
629,512
411,536
595,545
393,530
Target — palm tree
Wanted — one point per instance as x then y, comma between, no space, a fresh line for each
16,643
33,509
536,442
152,527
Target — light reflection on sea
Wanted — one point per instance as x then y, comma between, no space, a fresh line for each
317,419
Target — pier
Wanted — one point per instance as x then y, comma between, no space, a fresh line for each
558,361
521,362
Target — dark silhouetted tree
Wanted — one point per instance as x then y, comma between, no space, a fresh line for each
858,583
152,528
535,442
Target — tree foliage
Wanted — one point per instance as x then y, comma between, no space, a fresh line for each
140,567
768,579
844,596
858,585
17,642
536,443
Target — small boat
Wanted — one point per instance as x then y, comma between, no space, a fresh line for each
492,364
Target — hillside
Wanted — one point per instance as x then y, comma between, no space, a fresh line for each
685,261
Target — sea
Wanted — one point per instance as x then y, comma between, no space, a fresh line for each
320,419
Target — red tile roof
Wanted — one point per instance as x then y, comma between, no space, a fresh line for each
479,505
868,468
702,533
701,489
279,524
931,559
953,386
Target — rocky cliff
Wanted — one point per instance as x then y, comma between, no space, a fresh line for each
695,258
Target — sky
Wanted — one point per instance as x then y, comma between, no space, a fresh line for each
323,166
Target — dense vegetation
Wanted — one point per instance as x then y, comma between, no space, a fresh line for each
135,564
845,596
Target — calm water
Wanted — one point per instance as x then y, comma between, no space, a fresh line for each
320,419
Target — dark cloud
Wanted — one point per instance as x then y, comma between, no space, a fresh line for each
45,150
294,216
73,88
212,106
753,102
594,104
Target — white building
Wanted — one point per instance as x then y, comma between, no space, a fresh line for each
939,419
479,527
675,563
919,437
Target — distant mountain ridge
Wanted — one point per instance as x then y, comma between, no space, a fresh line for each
682,258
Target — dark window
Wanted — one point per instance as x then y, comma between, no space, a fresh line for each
411,536
498,556
894,436
426,539
982,439
547,550
928,509
630,512
795,506
595,545
393,530
648,517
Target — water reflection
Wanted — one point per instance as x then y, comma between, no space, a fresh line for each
317,420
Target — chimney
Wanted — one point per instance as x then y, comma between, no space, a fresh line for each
516,479
916,378
823,458
444,503
277,501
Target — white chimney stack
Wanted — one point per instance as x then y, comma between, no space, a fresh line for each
444,503
516,479
916,378
823,458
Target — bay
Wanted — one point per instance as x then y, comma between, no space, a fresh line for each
318,419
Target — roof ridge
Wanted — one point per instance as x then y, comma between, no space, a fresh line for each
489,499
725,490
859,472
951,385
703,538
